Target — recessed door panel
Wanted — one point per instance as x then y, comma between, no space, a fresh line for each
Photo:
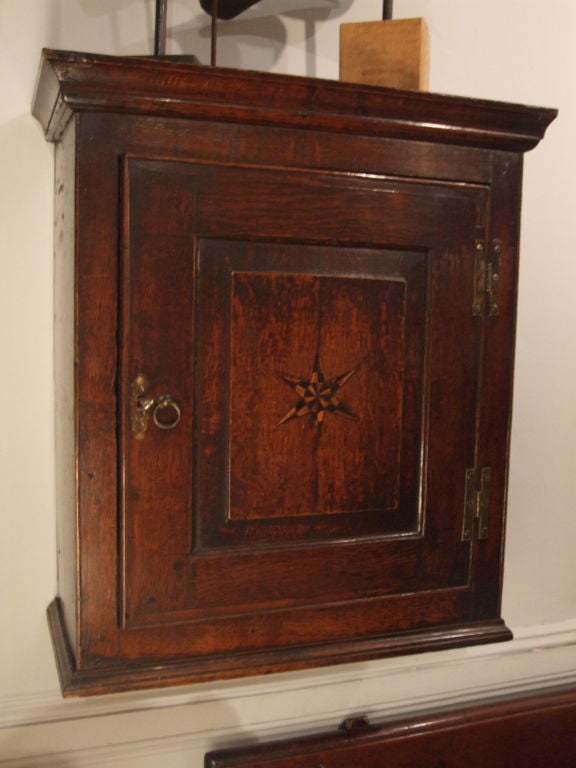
316,404
321,379
291,370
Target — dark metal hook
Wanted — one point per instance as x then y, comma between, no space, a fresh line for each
228,9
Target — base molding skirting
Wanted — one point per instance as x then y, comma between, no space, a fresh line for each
41,729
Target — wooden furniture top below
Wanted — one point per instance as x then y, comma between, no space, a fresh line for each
536,731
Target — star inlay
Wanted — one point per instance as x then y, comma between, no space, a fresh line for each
317,395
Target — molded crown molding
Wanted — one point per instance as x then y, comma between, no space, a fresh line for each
71,81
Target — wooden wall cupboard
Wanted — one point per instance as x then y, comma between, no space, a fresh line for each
284,342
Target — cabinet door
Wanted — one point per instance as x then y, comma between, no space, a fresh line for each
300,365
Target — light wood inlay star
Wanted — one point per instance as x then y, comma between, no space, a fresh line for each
317,395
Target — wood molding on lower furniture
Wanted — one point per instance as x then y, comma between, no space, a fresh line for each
534,731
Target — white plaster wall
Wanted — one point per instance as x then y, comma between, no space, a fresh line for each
517,50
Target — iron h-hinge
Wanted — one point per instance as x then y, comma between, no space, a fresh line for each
476,503
487,277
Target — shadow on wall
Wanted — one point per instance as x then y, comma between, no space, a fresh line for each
114,9
261,32
147,729
259,35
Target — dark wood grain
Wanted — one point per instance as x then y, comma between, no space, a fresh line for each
72,81
293,262
533,730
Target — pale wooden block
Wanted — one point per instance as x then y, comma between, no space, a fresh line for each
392,53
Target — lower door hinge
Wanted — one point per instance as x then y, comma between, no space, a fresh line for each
476,503
487,277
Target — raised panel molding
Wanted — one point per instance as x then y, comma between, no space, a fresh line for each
40,730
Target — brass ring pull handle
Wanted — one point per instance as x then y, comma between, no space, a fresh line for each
166,413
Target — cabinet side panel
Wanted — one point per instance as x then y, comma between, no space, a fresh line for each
64,357
498,378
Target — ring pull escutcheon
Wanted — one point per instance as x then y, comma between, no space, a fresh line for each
165,411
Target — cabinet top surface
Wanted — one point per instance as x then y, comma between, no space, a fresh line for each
72,82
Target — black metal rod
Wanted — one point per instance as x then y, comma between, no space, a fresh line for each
160,28
214,33
388,9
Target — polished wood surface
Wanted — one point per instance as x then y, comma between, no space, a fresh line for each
274,258
71,81
536,731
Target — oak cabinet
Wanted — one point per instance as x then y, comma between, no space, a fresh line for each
284,334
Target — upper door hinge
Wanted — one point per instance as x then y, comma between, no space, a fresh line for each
476,503
487,277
